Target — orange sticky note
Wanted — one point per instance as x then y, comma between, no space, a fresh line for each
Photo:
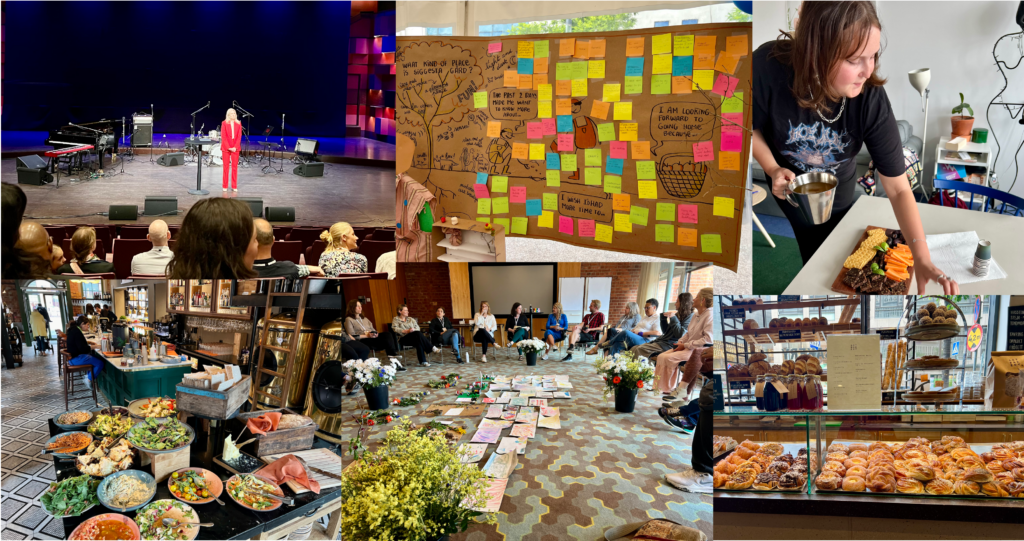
539,79
566,46
582,49
600,109
704,61
563,88
494,129
729,161
727,62
704,45
620,201
540,65
525,81
563,106
597,48
641,150
511,78
687,237
736,45
634,46
521,151
682,85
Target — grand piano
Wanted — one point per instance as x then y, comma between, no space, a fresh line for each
101,135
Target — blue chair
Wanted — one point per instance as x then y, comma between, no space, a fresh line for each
1007,203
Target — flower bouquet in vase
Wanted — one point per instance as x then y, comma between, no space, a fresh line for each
374,378
625,374
531,347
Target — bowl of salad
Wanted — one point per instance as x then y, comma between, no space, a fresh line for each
195,485
248,491
151,520
70,497
161,436
159,408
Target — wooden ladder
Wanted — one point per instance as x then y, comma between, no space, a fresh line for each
291,350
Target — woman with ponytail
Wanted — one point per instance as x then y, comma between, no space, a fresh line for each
84,261
338,258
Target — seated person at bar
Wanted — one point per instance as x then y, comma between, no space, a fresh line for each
644,331
408,330
217,240
586,332
630,318
443,333
667,375
338,257
156,259
362,329
484,326
517,326
84,261
674,324
80,352
267,266
554,331
17,263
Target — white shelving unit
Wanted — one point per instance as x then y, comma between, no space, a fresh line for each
476,247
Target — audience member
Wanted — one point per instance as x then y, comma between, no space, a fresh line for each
84,261
267,266
338,257
217,240
156,259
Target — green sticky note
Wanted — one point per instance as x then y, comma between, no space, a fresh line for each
483,206
634,85
638,215
554,178
606,132
661,84
593,176
480,100
733,104
484,219
664,233
568,162
711,243
579,70
563,71
550,201
644,170
612,184
519,226
502,221
666,212
499,184
500,205
540,49
592,157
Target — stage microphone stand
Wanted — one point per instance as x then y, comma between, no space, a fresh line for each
192,127
152,130
282,145
248,119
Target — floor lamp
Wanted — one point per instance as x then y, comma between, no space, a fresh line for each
919,79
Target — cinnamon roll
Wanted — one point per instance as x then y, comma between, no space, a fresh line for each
939,487
1003,453
995,490
995,467
1004,477
909,486
854,484
988,457
962,452
882,483
966,488
740,480
979,475
1012,464
1016,489
828,480
766,481
952,439
1018,474
919,470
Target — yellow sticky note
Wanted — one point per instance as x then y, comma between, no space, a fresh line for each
599,109
582,49
550,200
563,106
540,50
704,61
620,202
592,157
483,206
682,45
568,162
595,69
662,64
641,150
494,129
648,189
687,237
579,87
603,233
525,49
623,111
611,93
554,178
622,223
727,63
634,46
500,205
711,243
704,45
627,130
520,151
537,151
736,45
703,79
563,87
661,44
525,82
511,78
544,109
546,219
592,176
567,47
613,185
729,161
540,65
544,92
723,207
597,48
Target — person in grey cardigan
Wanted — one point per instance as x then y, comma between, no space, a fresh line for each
630,318
408,330
362,330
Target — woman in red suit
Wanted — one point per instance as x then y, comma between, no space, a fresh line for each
230,143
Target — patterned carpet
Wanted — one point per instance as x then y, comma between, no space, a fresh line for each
602,469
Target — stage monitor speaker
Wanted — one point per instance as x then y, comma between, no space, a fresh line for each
143,135
161,205
307,147
171,158
34,177
34,161
312,169
123,212
280,214
255,205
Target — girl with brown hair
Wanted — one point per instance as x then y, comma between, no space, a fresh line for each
217,240
817,98
84,261
338,258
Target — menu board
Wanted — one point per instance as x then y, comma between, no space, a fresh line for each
854,372
631,141
1015,329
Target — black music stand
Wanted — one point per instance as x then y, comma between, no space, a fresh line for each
198,143
270,147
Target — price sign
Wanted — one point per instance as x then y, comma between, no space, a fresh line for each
737,385
789,334
886,334
733,313
789,298
974,338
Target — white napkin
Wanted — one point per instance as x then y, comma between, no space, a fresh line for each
953,253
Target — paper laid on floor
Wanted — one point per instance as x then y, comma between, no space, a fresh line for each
502,400
549,412
466,399
512,445
550,422
560,394
509,394
472,452
564,385
488,400
545,394
486,434
509,415
953,253
501,466
494,412
454,411
502,379
500,387
494,491
524,416
538,402
519,401
524,430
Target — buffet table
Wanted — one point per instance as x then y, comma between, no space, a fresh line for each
816,277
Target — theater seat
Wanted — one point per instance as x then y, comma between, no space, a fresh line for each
373,249
124,251
134,232
100,252
314,252
287,251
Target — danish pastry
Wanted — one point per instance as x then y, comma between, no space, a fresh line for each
749,466
856,471
919,470
879,445
979,475
750,445
744,452
772,449
1016,489
966,488
766,481
858,447
834,466
851,462
778,467
909,486
836,456
882,482
838,448
791,480
740,480
939,487
1018,474
988,457
828,480
854,484
787,458
1013,464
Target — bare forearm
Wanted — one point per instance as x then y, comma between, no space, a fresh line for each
904,206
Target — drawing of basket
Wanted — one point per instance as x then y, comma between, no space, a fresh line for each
681,176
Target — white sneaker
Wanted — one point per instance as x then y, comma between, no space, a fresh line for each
545,356
483,358
88,381
436,349
692,481
235,190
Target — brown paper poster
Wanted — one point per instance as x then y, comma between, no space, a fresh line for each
631,141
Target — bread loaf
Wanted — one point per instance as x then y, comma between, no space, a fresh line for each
750,324
787,367
800,368
773,323
757,357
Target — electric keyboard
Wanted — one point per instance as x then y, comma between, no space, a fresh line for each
67,150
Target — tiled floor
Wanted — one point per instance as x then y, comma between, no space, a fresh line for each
29,396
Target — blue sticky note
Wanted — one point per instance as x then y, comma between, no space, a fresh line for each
635,66
565,123
681,65
481,178
533,207
526,66
614,166
554,162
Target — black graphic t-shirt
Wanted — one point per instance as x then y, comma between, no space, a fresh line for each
802,142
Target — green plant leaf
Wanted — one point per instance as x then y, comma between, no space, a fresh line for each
961,98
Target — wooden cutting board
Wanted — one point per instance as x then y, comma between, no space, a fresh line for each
321,459
838,285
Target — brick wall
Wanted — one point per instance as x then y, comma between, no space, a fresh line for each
11,301
701,279
428,286
625,284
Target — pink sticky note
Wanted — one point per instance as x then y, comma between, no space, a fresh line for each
703,151
565,142
534,130
688,214
618,150
731,119
481,191
548,126
494,47
517,194
731,142
721,84
565,225
732,86
587,228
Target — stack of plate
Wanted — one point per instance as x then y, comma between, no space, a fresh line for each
932,396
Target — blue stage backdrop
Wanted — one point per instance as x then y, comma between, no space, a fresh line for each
84,61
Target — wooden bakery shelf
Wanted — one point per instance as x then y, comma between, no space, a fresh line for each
752,379
811,333
798,304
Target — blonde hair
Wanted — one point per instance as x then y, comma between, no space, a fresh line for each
335,236
708,295
596,303
82,243
488,305
557,308
230,110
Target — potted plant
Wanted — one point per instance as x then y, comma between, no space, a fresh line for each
962,125
530,347
374,378
413,486
624,374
